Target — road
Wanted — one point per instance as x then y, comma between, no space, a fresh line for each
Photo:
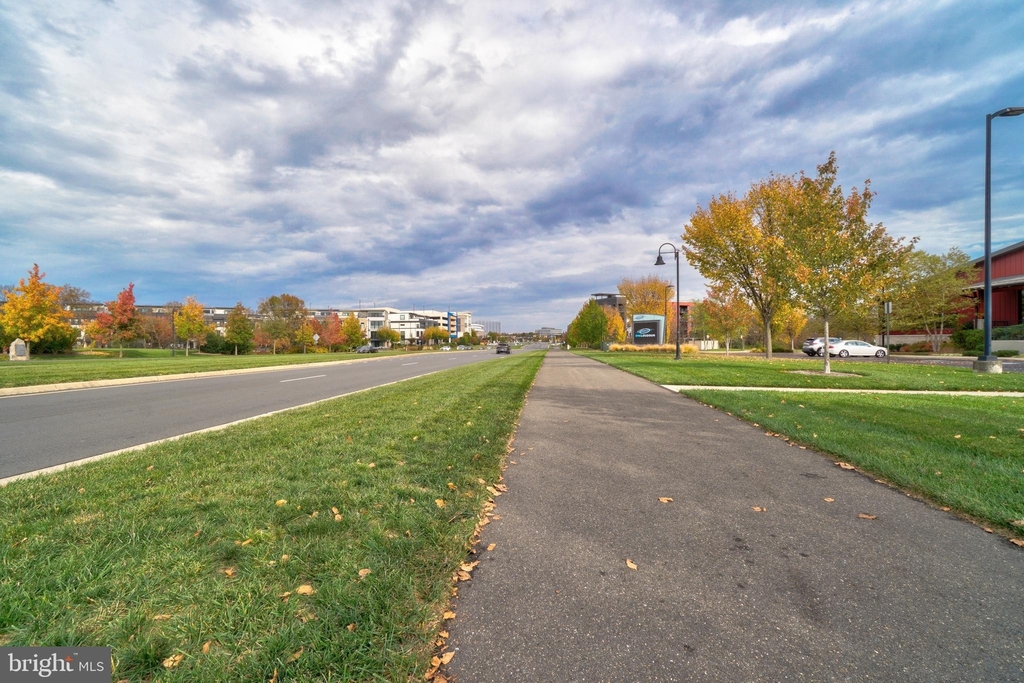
44,430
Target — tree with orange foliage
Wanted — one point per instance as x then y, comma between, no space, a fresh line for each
33,313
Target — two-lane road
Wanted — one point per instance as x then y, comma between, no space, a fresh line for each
44,430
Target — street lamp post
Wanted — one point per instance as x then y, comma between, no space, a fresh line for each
987,362
661,262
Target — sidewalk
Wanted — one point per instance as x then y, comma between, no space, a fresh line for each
804,590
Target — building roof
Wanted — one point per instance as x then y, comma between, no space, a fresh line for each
1000,282
1005,250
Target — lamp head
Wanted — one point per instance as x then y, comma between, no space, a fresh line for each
1010,111
660,261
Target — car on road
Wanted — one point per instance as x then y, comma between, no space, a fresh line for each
446,348
367,348
815,346
855,347
504,348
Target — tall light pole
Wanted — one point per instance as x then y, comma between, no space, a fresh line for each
987,362
661,262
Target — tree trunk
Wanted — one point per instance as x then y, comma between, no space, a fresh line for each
768,340
828,366
275,348
236,349
727,340
120,349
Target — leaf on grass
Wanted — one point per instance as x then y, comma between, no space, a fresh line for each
439,502
363,573
281,502
206,647
492,546
247,541
150,468
830,500
284,596
631,564
338,518
864,515
665,500
274,678
162,617
480,481
334,510
846,465
351,627
956,436
759,509
173,661
452,486
305,589
230,571
448,615
447,657
1017,522
295,655
285,558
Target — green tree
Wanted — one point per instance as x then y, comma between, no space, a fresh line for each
588,328
840,258
282,316
33,313
742,243
189,323
930,292
239,332
388,336
353,332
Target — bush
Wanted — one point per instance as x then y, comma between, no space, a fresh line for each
655,348
1006,353
969,340
1015,332
917,347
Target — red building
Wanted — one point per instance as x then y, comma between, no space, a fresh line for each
1007,284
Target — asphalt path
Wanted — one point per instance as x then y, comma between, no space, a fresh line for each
44,430
763,562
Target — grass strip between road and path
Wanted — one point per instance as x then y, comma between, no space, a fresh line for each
962,452
755,371
319,543
78,367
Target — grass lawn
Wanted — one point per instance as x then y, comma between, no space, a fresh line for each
90,365
739,371
964,452
319,543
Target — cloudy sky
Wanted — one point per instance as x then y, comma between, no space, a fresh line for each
504,158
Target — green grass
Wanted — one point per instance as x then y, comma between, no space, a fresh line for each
758,372
158,552
964,452
89,366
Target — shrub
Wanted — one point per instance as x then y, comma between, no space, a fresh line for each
917,347
1006,353
969,340
1015,332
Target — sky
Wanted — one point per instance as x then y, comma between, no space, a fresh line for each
507,159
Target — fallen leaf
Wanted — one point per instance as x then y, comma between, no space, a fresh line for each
305,589
443,634
334,510
230,571
338,518
285,558
846,465
759,509
663,500
463,576
247,541
944,509
956,436
150,468
631,564
162,617
469,566
830,500
447,657
492,547
1017,542
864,515
351,627
284,596
281,502
1017,522
986,530
273,679
363,573
206,647
439,502
439,678
448,615
295,655
173,661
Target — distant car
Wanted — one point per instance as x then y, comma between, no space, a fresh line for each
504,348
855,347
816,347
462,347
368,348
446,348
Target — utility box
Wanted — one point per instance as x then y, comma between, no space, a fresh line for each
648,329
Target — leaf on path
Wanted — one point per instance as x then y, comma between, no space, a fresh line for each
945,508
631,564
846,465
759,509
469,566
463,576
830,500
447,657
448,615
864,515
665,500
986,530
492,546
295,655
173,661
1017,542
443,634
305,589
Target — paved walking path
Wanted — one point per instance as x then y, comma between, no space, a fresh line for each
805,590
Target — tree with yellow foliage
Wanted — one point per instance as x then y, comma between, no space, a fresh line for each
615,330
33,313
649,294
189,324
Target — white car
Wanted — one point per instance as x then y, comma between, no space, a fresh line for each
855,347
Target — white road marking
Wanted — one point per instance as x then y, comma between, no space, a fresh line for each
408,364
299,379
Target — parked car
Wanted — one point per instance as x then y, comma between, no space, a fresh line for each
855,347
367,348
462,347
504,348
446,348
816,347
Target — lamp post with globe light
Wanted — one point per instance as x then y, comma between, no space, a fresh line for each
661,262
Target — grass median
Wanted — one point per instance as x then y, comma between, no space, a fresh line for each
962,452
318,544
85,367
